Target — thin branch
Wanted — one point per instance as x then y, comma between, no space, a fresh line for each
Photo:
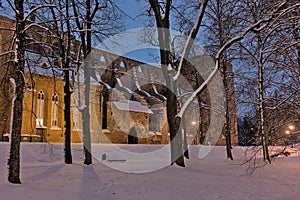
191,38
220,52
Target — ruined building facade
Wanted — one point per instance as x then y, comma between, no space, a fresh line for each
127,103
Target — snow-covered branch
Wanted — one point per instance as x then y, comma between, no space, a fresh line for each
35,25
221,51
191,38
6,53
283,101
33,10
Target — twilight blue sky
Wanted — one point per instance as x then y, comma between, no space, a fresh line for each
134,12
134,9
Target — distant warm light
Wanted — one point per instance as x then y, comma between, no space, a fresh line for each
287,132
291,127
194,123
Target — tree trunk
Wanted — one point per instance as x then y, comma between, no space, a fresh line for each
17,103
86,38
86,111
86,119
163,26
262,103
227,125
184,132
17,106
185,142
175,134
67,117
67,92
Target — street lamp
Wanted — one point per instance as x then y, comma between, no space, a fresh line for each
289,131
291,127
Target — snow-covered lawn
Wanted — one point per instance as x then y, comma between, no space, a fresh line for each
45,176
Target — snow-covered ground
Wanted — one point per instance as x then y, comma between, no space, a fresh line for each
45,176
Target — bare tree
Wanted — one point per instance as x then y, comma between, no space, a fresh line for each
52,22
17,80
67,92
88,15
222,22
22,35
162,15
62,24
272,72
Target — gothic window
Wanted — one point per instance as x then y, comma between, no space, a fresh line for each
139,69
102,59
76,113
54,111
40,108
56,49
122,65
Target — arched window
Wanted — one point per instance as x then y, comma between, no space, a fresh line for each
102,59
76,114
40,109
54,111
56,49
122,64
102,62
139,69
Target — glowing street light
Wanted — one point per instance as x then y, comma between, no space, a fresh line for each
291,127
194,123
289,132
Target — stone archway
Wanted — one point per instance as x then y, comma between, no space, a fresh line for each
132,136
136,132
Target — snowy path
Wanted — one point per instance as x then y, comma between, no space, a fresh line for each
45,176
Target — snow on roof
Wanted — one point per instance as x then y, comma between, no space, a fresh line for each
122,86
34,63
136,80
158,94
132,106
51,72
